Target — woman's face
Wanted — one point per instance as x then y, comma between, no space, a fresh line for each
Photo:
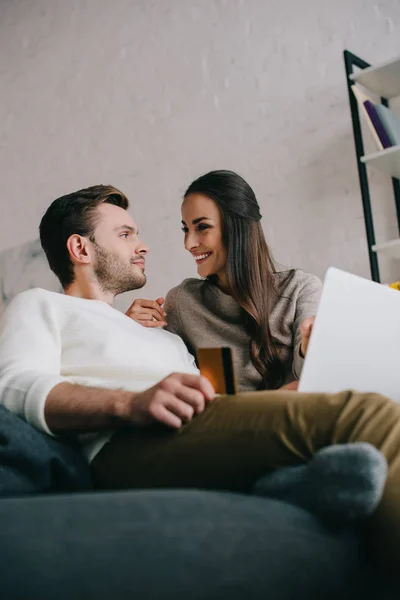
202,225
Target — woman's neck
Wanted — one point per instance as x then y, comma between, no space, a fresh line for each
222,284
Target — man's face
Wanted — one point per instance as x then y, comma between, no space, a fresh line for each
119,255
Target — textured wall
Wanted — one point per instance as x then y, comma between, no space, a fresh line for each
146,95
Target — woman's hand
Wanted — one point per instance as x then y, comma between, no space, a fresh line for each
148,313
306,330
293,385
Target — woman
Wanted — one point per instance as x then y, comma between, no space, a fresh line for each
264,315
242,300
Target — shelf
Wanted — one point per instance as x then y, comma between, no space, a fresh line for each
389,249
383,79
387,161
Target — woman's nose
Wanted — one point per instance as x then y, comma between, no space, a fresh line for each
191,242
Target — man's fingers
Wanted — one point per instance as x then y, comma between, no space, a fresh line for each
182,395
164,415
200,383
191,396
181,409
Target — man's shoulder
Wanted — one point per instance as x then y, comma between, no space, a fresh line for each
37,295
34,297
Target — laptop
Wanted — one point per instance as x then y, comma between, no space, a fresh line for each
355,342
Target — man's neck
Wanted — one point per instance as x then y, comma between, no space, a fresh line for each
90,291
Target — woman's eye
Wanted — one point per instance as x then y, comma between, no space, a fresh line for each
198,228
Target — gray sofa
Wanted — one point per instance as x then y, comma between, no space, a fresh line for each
175,545
63,540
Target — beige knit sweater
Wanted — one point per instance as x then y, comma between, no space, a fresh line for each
203,316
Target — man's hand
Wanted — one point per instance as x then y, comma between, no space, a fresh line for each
306,330
148,313
173,401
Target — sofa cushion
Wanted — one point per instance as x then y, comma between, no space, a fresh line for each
33,462
176,544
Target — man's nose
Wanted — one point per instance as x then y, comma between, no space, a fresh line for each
142,248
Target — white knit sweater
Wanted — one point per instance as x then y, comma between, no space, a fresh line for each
47,338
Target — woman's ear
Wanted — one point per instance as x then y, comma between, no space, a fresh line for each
79,249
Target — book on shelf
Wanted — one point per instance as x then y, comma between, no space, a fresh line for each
376,122
361,98
390,122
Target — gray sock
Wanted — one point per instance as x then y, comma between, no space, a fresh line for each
341,483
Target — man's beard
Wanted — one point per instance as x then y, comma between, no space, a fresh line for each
116,276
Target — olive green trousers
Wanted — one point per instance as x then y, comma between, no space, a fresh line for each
239,438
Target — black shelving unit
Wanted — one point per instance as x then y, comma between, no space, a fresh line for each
352,61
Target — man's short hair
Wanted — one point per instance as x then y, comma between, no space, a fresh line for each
73,214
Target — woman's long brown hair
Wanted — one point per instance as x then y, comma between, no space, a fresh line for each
250,267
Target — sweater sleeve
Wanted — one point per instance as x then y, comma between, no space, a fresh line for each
171,307
174,325
30,356
306,306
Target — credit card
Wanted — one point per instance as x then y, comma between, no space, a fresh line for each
216,364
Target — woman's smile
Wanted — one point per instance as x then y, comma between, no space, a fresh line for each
201,258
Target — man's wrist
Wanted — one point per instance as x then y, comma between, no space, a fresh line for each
121,403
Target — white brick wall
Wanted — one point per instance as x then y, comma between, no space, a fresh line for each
149,94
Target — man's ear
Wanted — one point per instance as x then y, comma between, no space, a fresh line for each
80,249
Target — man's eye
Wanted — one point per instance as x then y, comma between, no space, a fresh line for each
124,235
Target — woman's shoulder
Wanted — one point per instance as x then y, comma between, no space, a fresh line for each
188,289
293,282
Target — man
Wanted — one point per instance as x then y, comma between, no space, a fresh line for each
70,363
